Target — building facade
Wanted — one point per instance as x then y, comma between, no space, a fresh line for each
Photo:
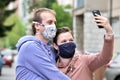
24,14
86,33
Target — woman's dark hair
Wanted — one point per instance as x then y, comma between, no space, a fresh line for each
59,31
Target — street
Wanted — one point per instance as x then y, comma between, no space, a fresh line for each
8,73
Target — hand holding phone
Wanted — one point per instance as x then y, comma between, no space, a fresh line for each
97,12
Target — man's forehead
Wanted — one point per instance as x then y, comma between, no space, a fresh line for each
48,16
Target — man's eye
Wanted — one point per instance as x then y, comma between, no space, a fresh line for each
49,22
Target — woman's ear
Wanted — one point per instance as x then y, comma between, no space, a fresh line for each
55,46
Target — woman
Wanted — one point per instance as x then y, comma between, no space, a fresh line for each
81,67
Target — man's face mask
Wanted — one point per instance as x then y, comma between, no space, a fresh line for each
49,32
67,50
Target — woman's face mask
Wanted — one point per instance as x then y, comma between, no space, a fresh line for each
67,50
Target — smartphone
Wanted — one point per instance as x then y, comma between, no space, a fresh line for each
97,12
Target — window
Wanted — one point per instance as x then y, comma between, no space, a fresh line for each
79,3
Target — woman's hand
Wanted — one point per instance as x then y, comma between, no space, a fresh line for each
102,21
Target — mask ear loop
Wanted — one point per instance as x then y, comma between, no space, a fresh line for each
42,25
34,22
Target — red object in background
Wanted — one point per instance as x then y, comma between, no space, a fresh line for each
8,57
7,60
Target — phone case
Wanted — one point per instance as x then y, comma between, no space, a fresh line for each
97,12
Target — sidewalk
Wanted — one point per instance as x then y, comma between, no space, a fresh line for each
8,73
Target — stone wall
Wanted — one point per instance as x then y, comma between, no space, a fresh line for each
93,36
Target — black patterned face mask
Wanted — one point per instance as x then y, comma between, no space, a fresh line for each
67,50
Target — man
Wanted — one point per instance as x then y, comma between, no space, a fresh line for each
36,61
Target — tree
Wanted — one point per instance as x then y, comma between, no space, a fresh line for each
36,4
4,13
17,31
63,18
40,3
49,3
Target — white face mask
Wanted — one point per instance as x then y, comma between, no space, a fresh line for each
49,32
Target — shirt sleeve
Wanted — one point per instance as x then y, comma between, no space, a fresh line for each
39,62
105,55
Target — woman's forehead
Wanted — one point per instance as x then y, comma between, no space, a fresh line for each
66,35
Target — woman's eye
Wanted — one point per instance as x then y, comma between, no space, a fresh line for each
64,41
71,40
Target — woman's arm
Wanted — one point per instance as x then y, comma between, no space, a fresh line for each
98,60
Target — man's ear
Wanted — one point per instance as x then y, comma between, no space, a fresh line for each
55,46
37,27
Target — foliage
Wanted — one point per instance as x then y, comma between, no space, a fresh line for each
18,30
68,6
41,3
49,3
4,13
63,18
36,4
